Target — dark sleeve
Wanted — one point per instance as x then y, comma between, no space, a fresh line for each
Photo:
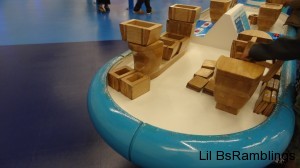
281,49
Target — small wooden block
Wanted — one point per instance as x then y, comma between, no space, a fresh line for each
184,13
114,76
237,48
253,19
276,85
140,32
267,15
197,83
180,28
262,102
269,109
218,8
209,88
135,85
171,48
204,72
270,84
183,40
209,64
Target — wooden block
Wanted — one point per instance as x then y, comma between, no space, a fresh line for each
183,40
135,85
244,76
197,83
262,37
227,109
253,19
237,48
209,64
204,72
209,87
147,59
184,13
267,15
171,47
114,76
180,28
218,8
276,84
262,102
269,109
140,32
276,1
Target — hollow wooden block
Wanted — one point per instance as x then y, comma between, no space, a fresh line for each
183,40
218,8
209,87
135,85
184,13
180,28
114,76
262,102
140,32
237,48
209,64
253,19
197,83
269,109
205,73
147,59
267,15
171,48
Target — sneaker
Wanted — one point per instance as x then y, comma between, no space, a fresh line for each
138,12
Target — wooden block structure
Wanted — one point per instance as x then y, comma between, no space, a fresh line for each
218,8
129,82
135,85
170,48
184,13
203,77
267,15
244,76
183,42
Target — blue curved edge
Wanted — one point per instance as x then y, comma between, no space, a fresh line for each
149,146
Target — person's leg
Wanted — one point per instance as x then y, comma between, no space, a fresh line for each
106,5
138,5
148,6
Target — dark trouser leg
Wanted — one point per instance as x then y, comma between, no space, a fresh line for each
148,6
138,5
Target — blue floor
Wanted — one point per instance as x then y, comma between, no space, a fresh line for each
49,52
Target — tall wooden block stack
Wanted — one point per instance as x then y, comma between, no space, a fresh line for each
267,15
180,26
218,8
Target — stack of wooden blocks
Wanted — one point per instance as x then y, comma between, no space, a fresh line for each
267,100
218,8
203,78
268,15
180,26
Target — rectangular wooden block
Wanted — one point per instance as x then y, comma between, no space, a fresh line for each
197,83
180,28
209,64
204,72
114,76
269,109
184,13
135,85
267,15
171,48
209,88
253,19
218,8
140,32
262,102
183,40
